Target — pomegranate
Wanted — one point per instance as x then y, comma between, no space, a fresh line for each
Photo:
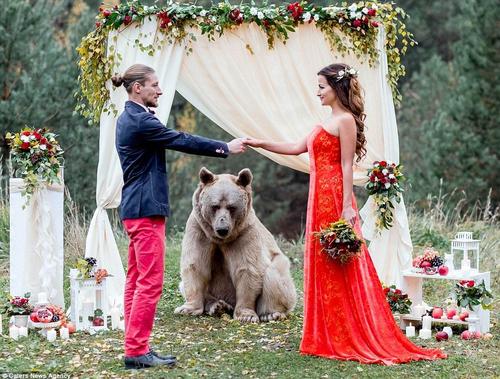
44,315
441,336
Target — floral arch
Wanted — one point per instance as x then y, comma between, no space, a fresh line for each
252,70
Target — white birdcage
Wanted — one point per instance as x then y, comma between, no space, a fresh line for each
86,296
469,247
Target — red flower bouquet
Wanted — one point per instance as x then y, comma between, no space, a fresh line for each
339,241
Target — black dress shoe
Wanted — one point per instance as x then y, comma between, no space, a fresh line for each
169,357
147,360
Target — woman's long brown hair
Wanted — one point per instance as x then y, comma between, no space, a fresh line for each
349,92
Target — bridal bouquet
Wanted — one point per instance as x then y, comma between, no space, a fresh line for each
339,241
36,156
384,180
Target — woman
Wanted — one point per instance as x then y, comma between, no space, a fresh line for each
346,315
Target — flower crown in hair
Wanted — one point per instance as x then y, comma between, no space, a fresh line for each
347,73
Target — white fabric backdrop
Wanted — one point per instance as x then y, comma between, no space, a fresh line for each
270,94
36,242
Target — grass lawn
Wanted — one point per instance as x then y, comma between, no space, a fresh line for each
223,348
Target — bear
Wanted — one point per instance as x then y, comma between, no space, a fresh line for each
230,262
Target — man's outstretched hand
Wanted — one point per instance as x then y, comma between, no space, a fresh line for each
237,145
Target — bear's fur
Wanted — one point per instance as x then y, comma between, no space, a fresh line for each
230,262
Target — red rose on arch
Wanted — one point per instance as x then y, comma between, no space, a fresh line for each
383,163
127,19
37,135
25,146
372,12
375,24
236,16
356,23
296,10
26,133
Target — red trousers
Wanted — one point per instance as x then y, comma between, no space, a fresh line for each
144,283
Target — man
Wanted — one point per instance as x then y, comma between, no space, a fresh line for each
141,140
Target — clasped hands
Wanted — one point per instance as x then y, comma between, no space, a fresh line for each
238,145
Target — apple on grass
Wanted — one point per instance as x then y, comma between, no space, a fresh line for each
441,336
463,315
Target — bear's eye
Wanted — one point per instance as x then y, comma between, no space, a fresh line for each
215,208
231,209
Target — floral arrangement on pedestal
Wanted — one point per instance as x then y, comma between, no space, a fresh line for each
469,294
384,185
348,29
398,301
88,269
17,305
339,241
429,262
36,157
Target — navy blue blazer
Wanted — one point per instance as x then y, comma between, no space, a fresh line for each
141,140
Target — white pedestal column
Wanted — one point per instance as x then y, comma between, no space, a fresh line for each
36,242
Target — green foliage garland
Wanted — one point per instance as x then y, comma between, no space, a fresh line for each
347,29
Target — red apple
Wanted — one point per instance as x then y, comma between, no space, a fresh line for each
71,327
441,336
33,317
463,315
476,335
437,312
466,335
443,270
450,313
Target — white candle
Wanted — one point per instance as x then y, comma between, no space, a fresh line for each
42,297
425,334
23,331
410,331
64,333
426,322
14,332
448,331
115,318
51,335
418,310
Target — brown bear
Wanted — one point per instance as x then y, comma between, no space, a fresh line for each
230,262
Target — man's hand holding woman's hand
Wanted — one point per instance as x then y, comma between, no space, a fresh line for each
237,145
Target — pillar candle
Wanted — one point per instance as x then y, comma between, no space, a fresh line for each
23,331
426,322
115,317
418,310
14,332
410,331
64,333
51,335
425,334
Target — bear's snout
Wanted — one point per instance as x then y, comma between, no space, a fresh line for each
222,232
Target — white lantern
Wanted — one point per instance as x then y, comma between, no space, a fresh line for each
87,296
470,252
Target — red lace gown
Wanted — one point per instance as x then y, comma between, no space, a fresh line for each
346,315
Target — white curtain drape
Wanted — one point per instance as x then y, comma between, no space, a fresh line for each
100,240
267,94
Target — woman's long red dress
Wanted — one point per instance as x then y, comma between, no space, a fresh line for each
346,315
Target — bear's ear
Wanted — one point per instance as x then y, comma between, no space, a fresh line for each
206,176
244,177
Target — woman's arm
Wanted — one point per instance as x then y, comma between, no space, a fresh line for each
286,148
347,131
